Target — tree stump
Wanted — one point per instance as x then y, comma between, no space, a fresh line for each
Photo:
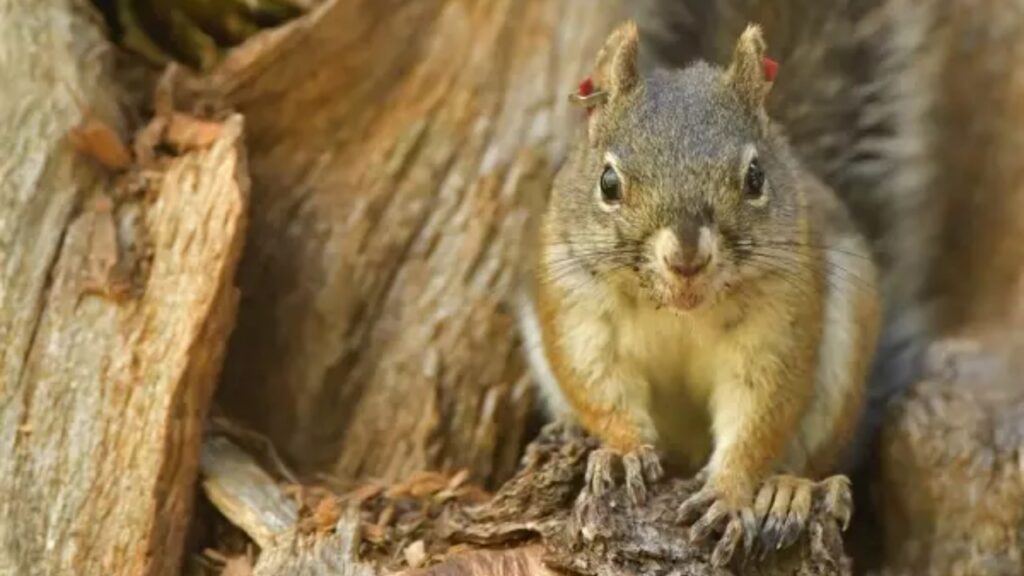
399,152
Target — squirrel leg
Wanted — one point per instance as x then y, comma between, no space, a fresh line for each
783,506
754,417
627,439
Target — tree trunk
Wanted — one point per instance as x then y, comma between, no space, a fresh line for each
115,307
398,153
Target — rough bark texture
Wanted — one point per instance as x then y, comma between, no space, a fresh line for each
395,148
951,471
536,523
116,301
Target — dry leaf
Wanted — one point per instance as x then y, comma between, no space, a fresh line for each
95,139
326,515
415,554
419,484
185,132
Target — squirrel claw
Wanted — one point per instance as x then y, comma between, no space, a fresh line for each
641,466
716,516
837,499
726,547
783,507
736,524
599,480
695,505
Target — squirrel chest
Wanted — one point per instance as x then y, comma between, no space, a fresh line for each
656,367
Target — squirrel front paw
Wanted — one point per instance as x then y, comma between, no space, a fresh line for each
721,508
776,519
640,467
783,506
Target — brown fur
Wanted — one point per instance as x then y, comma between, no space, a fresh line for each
775,359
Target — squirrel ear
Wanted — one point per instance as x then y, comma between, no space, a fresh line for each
750,74
616,71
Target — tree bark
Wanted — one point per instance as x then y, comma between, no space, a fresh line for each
952,482
115,307
540,521
398,153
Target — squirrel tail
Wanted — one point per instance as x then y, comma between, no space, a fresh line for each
854,94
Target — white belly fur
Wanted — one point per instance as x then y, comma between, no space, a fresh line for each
657,365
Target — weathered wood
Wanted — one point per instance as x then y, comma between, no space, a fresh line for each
396,150
431,524
251,499
313,555
115,308
521,561
244,493
952,478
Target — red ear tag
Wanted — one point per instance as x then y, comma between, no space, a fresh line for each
586,89
771,68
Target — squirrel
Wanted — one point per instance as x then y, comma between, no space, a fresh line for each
699,296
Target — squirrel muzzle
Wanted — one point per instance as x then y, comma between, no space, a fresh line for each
684,256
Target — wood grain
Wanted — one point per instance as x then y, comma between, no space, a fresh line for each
103,391
399,151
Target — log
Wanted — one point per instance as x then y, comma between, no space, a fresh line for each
399,151
951,475
950,472
116,301
535,525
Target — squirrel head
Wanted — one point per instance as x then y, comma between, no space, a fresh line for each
682,187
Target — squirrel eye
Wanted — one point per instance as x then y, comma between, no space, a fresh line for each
754,180
611,187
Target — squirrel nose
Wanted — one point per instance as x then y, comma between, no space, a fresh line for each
687,264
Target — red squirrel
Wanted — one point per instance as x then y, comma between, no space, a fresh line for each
700,297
